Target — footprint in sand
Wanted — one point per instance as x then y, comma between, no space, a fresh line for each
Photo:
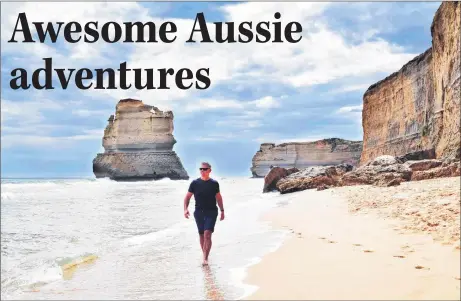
407,249
368,251
420,267
399,256
357,245
331,242
322,238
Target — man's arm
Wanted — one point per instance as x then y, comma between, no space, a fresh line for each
220,202
186,203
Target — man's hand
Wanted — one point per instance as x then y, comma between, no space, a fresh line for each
186,213
222,215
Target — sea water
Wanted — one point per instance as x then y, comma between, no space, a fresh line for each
101,239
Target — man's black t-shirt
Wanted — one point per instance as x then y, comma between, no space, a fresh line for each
204,193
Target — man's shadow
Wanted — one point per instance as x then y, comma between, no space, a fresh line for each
212,290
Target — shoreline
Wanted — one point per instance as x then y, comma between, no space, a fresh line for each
354,242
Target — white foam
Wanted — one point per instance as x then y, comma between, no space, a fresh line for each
46,275
8,195
153,236
238,274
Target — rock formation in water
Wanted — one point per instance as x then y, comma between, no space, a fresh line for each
304,154
138,144
418,107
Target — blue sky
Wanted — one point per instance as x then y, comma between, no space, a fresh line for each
259,92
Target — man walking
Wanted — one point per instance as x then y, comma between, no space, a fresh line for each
206,194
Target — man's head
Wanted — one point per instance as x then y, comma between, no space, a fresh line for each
205,169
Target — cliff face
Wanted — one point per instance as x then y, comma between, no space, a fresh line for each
446,43
304,154
138,144
418,107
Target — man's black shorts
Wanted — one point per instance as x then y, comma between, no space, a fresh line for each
205,219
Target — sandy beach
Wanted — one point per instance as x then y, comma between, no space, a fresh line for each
364,242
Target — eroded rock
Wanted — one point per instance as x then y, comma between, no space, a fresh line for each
423,164
450,170
274,175
320,177
138,143
382,171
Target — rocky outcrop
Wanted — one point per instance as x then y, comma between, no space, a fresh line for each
320,177
304,154
274,175
445,170
418,107
138,143
423,164
383,171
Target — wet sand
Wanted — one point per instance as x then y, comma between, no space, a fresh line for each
365,242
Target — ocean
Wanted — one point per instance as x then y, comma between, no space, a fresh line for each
101,239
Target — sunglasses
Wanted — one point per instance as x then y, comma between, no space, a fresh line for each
203,168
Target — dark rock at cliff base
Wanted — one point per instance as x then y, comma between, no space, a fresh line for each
421,165
382,171
320,177
274,175
418,155
448,170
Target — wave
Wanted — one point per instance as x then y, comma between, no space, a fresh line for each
48,272
156,235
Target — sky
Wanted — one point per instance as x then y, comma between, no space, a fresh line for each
259,92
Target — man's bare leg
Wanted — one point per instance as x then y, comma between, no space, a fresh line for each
202,241
207,246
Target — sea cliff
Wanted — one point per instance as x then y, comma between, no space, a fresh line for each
417,108
304,154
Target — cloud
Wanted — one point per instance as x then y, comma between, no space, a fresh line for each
322,55
28,140
350,88
216,137
213,104
266,102
26,112
242,123
90,113
351,112
350,109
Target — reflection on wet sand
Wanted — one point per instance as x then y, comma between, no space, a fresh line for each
69,269
213,292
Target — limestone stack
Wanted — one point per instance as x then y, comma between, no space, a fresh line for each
138,143
417,109
300,155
